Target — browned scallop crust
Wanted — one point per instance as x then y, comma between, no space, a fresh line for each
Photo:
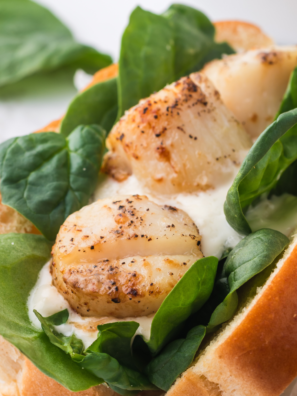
242,36
256,355
180,139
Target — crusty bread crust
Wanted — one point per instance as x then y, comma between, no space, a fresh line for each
257,353
12,221
35,383
242,36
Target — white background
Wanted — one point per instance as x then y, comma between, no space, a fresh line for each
100,23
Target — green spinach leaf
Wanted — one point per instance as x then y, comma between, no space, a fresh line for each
249,257
186,298
193,39
115,339
175,359
146,58
71,345
33,40
158,49
109,357
58,318
97,105
114,374
46,177
274,151
21,258
287,182
289,101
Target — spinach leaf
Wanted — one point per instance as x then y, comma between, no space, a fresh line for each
146,58
21,258
286,183
270,156
71,345
289,101
58,318
33,40
109,357
115,339
113,373
97,105
186,298
194,39
158,49
249,257
46,177
175,359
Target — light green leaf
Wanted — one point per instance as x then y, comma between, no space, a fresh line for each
33,40
21,258
97,105
270,156
186,298
175,358
46,177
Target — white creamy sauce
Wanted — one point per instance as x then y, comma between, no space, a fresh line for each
46,299
206,208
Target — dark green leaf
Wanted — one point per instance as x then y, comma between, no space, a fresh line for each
194,39
287,182
273,152
33,40
106,367
115,339
3,151
249,257
97,105
46,177
186,298
146,59
289,101
70,345
175,359
224,311
58,318
21,258
158,49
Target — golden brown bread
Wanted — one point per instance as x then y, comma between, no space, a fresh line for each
35,383
12,221
256,354
242,36
19,377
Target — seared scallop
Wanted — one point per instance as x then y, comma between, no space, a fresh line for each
181,139
121,257
253,84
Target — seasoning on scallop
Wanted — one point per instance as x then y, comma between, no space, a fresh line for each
180,139
121,257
